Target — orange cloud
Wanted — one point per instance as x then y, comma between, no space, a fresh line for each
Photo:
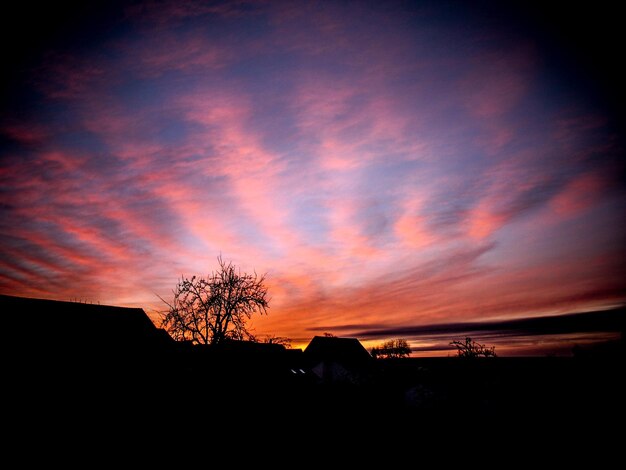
411,225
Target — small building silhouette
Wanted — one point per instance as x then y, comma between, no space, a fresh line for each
335,359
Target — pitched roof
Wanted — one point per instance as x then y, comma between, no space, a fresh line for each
45,321
347,351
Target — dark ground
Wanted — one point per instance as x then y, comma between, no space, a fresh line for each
162,412
405,393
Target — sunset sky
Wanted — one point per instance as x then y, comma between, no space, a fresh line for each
388,165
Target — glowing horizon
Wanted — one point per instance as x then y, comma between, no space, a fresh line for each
390,164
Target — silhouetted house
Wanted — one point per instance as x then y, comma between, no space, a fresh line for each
334,359
51,335
67,361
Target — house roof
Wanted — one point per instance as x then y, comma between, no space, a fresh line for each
32,321
348,351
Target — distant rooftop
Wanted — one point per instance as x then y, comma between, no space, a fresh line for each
332,348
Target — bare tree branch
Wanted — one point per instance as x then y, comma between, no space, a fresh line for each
212,309
470,349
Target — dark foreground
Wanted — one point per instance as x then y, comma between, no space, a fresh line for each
406,394
85,384
177,416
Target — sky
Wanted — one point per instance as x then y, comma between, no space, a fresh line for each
386,165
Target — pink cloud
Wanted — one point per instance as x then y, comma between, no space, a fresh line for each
83,263
351,122
506,191
239,157
411,226
255,174
167,182
483,222
579,195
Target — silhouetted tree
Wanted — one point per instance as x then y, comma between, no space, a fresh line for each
470,348
271,339
329,335
212,309
394,348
